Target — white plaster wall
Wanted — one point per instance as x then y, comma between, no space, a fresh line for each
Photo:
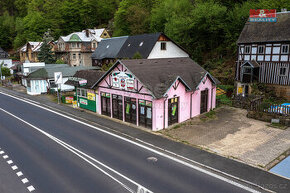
260,58
276,50
284,58
268,50
254,50
275,58
172,51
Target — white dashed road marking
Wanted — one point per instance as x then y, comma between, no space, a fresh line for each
19,173
14,167
30,188
24,180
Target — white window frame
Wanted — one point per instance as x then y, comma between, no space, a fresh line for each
245,50
80,93
286,71
283,46
258,51
163,43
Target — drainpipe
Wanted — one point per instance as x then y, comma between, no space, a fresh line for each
164,111
191,104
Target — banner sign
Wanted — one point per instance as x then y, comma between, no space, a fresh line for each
263,15
75,104
83,82
123,80
69,100
91,95
83,101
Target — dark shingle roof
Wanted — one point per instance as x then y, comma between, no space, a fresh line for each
258,32
92,76
3,54
139,43
157,75
109,48
48,72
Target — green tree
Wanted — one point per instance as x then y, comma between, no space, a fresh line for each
5,71
7,30
45,54
137,55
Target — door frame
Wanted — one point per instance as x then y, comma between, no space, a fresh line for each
170,120
203,105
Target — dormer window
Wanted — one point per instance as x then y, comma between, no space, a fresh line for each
141,44
94,45
163,46
247,49
260,49
285,49
108,46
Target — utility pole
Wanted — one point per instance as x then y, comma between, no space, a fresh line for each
1,72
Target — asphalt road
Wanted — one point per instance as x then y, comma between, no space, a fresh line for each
60,155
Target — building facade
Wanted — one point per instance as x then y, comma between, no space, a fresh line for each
76,49
264,57
155,93
29,52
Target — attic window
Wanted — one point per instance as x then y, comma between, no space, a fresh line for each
163,46
108,46
129,45
247,49
141,44
260,49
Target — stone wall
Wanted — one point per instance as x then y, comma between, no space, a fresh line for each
267,117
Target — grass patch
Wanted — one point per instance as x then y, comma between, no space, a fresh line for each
278,126
224,100
208,116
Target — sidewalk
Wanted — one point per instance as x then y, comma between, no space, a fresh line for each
232,167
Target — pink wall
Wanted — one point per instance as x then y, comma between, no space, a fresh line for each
186,109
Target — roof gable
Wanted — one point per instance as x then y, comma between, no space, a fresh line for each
75,38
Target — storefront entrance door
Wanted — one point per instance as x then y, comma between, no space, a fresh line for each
130,110
106,104
145,113
117,106
172,111
203,101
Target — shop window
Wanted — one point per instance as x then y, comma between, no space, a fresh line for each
163,45
285,49
130,110
145,113
82,92
105,103
117,103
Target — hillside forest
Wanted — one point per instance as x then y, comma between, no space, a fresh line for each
207,29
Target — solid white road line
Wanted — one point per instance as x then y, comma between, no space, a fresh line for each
9,162
1,152
79,155
14,167
30,188
5,156
19,174
150,149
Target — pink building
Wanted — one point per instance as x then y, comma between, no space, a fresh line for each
156,93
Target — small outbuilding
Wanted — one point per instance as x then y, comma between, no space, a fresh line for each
155,93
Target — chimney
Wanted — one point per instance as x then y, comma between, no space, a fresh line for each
87,33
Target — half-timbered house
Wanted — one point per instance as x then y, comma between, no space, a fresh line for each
263,55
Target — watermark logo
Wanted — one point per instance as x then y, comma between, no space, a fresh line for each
263,15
